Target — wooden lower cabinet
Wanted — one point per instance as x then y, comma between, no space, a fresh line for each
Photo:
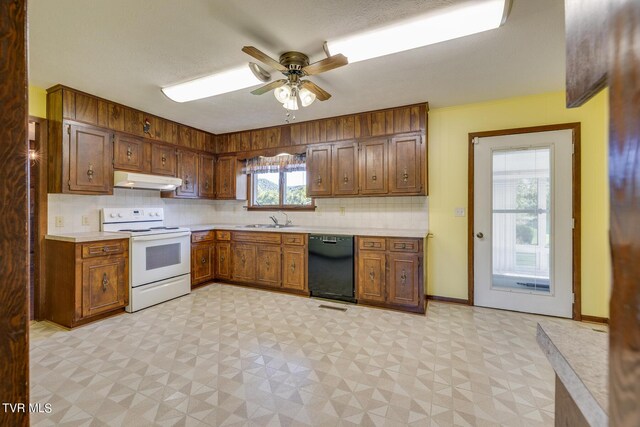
223,260
294,268
202,263
243,262
389,272
268,265
86,281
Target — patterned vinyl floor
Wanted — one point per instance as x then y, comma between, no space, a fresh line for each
233,356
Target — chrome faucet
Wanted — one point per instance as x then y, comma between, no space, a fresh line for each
274,219
287,220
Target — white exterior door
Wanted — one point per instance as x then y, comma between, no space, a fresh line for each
523,222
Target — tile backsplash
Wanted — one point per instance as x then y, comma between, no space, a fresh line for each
369,212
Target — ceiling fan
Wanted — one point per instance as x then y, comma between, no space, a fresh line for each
295,66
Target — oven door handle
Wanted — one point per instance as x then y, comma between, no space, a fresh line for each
165,236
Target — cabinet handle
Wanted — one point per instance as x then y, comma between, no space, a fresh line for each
186,181
206,185
129,153
403,246
267,263
403,277
374,178
293,266
243,260
405,175
90,172
222,258
225,184
319,180
372,275
204,260
346,178
105,282
164,160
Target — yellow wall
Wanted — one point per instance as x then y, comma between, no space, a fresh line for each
448,140
37,102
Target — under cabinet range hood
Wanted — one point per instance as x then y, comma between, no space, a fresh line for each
146,182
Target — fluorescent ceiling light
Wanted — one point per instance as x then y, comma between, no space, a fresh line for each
215,84
473,17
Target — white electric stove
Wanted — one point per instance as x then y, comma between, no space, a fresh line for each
159,256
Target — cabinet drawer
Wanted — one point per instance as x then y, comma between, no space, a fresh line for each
257,237
202,236
404,245
223,235
372,243
108,247
293,239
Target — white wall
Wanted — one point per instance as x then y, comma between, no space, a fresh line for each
368,212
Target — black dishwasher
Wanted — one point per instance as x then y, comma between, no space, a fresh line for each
331,267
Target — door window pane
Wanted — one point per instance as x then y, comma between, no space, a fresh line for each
296,189
266,188
521,219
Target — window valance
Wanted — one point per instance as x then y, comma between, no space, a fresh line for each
281,162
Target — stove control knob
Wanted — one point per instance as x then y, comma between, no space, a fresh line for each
119,215
112,215
157,214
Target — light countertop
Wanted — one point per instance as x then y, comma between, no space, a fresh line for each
580,357
382,232
89,236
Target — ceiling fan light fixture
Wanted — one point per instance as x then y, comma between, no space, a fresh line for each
452,23
282,93
306,97
214,84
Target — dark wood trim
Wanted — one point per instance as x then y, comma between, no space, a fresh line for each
595,319
41,217
577,258
448,300
14,212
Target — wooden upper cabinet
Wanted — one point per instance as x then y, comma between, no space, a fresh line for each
163,160
90,160
206,177
344,159
374,167
319,170
188,172
226,177
404,277
405,165
268,265
132,154
371,276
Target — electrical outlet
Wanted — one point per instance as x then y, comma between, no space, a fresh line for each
59,221
460,212
342,210
85,220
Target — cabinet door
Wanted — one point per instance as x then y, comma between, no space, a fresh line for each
90,160
202,263
206,188
344,161
294,266
405,165
371,276
243,263
163,160
104,285
319,170
374,167
131,154
188,171
269,269
223,260
225,178
404,280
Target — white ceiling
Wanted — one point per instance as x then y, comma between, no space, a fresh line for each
125,50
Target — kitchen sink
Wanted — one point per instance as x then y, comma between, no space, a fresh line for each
264,226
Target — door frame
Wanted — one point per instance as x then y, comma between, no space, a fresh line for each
576,191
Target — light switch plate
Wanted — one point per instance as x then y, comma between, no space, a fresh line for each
85,220
459,212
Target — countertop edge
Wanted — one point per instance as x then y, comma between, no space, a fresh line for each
84,237
585,401
417,234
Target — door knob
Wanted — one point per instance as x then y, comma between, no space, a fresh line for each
480,235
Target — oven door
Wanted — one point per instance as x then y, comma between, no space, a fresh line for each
159,257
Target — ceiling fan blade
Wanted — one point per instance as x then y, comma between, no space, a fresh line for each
320,93
263,57
266,88
326,64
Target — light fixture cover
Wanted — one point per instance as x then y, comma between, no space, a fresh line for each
291,103
306,97
454,22
215,84
282,93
